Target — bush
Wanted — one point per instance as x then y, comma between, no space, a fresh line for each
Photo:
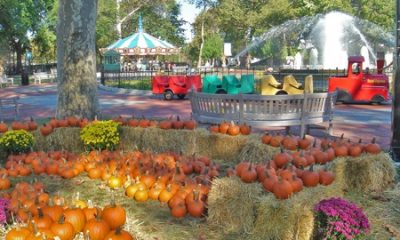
101,135
340,219
16,141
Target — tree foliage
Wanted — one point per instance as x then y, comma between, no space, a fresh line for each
21,21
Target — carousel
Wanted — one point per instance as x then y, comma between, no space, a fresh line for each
136,51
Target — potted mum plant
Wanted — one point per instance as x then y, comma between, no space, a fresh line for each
337,218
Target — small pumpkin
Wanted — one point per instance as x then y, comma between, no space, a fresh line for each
190,124
245,129
97,228
118,234
282,158
249,175
3,127
310,178
18,233
45,130
63,230
233,129
282,189
178,124
372,147
114,214
326,177
266,138
32,125
223,127
214,129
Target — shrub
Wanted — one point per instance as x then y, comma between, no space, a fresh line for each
340,219
101,135
16,141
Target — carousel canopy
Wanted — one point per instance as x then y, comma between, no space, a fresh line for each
141,43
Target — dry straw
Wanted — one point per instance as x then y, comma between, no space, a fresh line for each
292,218
256,151
367,173
232,204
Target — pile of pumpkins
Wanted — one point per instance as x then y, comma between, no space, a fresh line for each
231,128
178,181
340,146
285,174
47,217
164,124
30,125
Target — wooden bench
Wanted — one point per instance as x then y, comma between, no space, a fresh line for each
262,111
40,76
6,81
9,108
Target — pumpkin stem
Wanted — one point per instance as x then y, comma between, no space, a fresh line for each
341,136
118,231
311,168
360,141
373,140
61,220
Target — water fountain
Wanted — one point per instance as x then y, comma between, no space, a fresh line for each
332,37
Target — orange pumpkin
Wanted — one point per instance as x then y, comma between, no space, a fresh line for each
97,228
118,234
114,214
76,217
63,230
282,189
3,127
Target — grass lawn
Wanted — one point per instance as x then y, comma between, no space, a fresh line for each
144,84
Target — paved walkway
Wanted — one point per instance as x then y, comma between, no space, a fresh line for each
355,121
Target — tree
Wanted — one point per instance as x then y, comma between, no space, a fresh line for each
204,4
213,47
20,20
76,55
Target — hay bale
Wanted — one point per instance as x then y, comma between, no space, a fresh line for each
292,218
255,151
338,167
370,173
60,139
131,138
219,146
159,140
232,204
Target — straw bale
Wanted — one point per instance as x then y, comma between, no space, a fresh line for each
60,139
219,146
159,140
255,151
131,138
292,218
232,204
367,173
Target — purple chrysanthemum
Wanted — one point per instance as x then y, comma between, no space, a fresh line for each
341,218
4,203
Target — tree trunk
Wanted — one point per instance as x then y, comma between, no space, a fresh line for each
202,43
18,50
76,57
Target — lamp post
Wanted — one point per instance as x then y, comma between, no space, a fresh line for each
395,145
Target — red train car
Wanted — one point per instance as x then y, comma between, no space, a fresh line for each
178,85
359,85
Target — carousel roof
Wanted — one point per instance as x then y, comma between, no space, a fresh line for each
141,43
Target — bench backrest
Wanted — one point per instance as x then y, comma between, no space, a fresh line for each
275,110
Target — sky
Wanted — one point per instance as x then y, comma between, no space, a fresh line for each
188,13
